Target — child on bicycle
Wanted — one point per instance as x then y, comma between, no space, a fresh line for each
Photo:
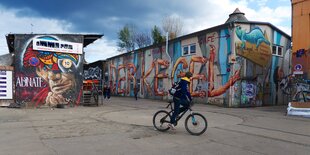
181,97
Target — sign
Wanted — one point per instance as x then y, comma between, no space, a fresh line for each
6,87
260,55
298,67
57,46
298,72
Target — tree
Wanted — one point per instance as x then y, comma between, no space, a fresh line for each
126,38
173,25
130,38
142,39
157,36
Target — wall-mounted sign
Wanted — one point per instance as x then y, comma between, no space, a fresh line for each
57,46
6,89
298,72
298,67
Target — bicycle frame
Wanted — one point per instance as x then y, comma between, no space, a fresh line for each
180,114
195,123
299,84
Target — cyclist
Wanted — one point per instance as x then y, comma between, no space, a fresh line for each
181,97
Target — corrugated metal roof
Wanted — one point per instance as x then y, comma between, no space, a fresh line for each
6,59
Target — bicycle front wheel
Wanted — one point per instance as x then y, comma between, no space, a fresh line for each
302,96
196,124
161,119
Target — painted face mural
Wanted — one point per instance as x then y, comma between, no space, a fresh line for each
52,76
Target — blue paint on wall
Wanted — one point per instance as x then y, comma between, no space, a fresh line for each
177,53
135,61
223,54
275,61
277,38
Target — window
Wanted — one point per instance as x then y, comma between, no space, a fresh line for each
277,50
185,50
193,49
189,49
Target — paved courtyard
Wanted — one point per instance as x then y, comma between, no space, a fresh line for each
123,126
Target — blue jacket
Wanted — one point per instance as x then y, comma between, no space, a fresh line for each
183,93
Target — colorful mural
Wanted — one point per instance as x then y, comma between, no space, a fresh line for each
254,45
44,77
154,70
218,63
268,62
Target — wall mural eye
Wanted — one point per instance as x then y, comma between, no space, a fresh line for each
67,63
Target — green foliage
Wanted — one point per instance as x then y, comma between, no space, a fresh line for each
126,38
157,36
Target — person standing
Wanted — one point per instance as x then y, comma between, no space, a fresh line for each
105,92
136,90
108,92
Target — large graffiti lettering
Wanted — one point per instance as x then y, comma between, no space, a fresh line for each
197,76
131,70
163,64
29,81
121,80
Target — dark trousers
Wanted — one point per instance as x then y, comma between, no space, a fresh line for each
104,95
136,96
178,109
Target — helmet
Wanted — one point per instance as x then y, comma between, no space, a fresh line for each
188,74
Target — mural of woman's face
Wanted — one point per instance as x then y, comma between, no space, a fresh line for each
59,83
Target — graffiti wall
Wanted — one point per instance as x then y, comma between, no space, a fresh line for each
48,71
265,55
154,70
223,63
94,70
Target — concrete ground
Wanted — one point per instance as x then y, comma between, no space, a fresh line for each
123,126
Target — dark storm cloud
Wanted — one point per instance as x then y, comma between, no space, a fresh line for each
99,16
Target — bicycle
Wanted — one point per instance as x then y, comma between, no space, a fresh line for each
298,88
195,123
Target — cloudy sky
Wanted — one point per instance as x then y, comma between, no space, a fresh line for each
109,16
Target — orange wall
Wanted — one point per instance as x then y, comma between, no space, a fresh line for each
301,24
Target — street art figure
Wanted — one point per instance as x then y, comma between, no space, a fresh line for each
255,36
58,71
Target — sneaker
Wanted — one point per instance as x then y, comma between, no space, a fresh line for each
171,126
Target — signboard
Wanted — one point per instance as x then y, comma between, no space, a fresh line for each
298,67
6,87
260,55
298,72
57,46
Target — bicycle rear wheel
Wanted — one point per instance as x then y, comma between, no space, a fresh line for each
196,124
161,119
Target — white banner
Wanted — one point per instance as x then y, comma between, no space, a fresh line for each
6,87
57,46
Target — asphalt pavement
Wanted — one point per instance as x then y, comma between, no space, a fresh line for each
123,126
